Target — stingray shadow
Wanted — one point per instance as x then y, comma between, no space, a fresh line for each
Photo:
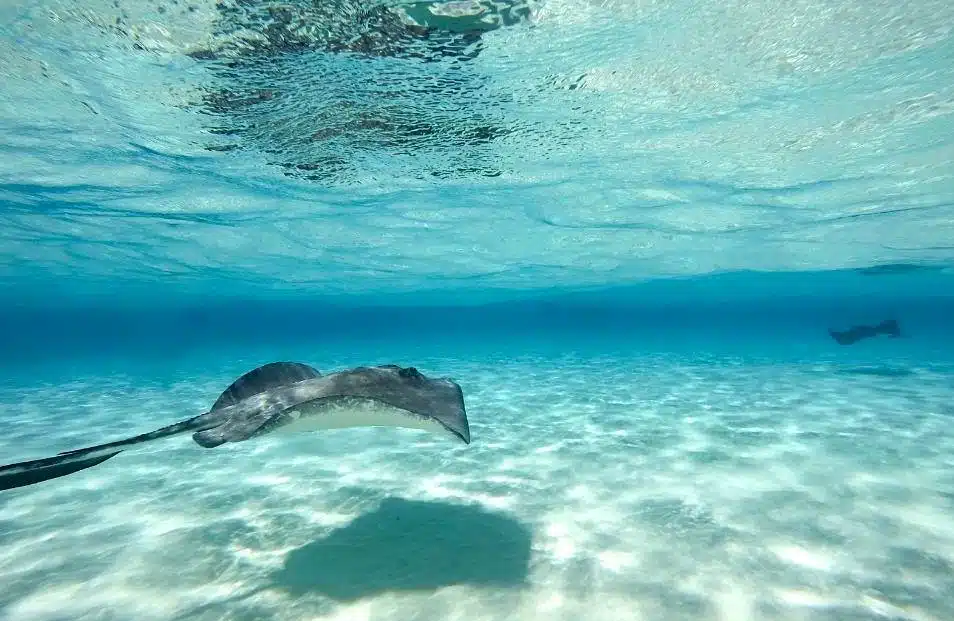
877,371
409,545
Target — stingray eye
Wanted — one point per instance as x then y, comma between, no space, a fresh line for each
410,373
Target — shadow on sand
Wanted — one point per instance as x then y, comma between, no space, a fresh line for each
408,545
402,546
878,371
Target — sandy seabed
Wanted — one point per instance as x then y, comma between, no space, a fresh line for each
597,487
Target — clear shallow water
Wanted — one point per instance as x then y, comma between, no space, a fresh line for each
580,144
604,482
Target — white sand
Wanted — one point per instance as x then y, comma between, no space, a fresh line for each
654,488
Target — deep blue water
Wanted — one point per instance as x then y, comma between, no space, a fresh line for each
786,316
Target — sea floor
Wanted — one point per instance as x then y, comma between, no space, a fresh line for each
598,486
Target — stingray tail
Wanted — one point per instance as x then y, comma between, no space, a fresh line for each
39,470
30,472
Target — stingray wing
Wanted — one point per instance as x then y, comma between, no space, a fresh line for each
255,401
246,419
264,378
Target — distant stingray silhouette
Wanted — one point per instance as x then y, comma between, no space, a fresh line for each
860,333
410,545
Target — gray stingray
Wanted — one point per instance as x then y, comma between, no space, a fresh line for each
287,396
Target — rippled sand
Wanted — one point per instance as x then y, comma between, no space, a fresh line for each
645,488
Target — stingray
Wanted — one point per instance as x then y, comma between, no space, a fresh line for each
287,397
854,334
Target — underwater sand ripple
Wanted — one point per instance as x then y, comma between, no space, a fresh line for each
648,488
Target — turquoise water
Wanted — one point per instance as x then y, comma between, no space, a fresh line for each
624,228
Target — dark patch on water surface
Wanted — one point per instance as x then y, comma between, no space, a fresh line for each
895,269
426,31
335,91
